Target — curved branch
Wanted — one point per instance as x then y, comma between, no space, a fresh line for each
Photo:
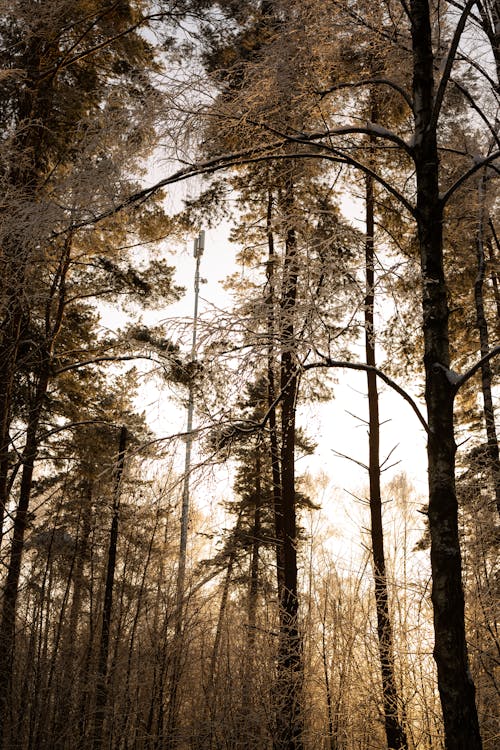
479,164
472,371
480,69
71,425
473,103
379,373
108,358
450,58
369,82
342,158
209,166
237,159
372,129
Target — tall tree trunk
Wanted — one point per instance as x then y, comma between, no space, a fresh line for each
10,336
486,371
107,610
271,393
9,605
456,687
128,729
492,257
252,731
22,174
394,731
290,663
53,322
210,706
253,588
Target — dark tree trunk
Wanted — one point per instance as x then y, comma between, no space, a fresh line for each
486,371
489,11
394,731
253,589
8,354
290,666
493,258
107,610
456,687
65,710
271,392
8,619
210,701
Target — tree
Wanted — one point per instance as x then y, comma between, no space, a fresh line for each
277,120
455,684
426,102
75,75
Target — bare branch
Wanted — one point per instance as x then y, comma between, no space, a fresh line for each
238,159
478,164
450,58
209,166
472,371
327,362
350,458
372,129
473,103
370,82
108,358
344,159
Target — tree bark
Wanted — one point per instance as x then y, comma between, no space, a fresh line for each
102,668
8,354
494,274
394,731
214,656
456,687
253,589
9,606
486,371
271,394
290,665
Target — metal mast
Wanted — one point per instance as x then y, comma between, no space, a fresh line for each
199,246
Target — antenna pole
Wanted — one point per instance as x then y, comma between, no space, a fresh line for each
199,246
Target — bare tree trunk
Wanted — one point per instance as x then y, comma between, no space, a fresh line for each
126,729
271,390
290,663
102,668
333,743
253,589
8,354
394,731
209,712
290,667
494,271
494,281
486,372
456,687
8,619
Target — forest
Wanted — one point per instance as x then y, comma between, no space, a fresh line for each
176,571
